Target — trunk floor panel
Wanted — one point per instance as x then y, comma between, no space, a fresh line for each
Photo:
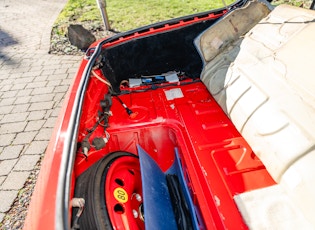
218,162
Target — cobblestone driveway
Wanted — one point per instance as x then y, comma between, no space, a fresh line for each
32,87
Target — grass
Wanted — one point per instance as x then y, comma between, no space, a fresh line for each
125,15
130,14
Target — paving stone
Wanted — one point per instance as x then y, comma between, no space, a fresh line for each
50,122
40,91
20,108
31,74
49,113
7,198
67,81
36,147
61,89
6,82
70,65
26,162
40,78
15,127
9,94
59,96
34,125
35,84
24,65
43,98
23,80
62,70
48,72
11,152
44,134
6,139
54,82
24,138
6,167
39,62
6,109
58,104
24,92
2,178
15,181
22,100
41,106
51,67
57,76
14,117
35,68
20,70
7,101
72,72
53,112
53,63
9,64
6,88
36,115
18,86
31,86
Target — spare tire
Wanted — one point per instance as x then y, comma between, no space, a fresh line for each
113,193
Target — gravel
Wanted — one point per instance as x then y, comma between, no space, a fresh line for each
60,44
14,219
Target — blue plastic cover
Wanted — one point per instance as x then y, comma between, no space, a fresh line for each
157,204
158,211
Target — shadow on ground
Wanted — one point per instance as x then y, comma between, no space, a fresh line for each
6,41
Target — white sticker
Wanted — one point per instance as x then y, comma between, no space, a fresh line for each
172,78
173,93
133,82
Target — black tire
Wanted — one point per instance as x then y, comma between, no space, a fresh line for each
90,186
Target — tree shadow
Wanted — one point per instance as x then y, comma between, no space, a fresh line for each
6,41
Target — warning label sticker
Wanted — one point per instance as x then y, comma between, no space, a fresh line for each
173,93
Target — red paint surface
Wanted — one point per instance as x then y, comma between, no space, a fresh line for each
218,161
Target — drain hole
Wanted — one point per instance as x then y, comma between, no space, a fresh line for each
118,208
131,171
119,182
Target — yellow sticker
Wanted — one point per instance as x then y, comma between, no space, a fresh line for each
121,195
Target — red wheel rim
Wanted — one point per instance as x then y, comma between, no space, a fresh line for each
123,194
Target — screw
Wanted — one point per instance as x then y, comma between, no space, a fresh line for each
135,213
138,197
